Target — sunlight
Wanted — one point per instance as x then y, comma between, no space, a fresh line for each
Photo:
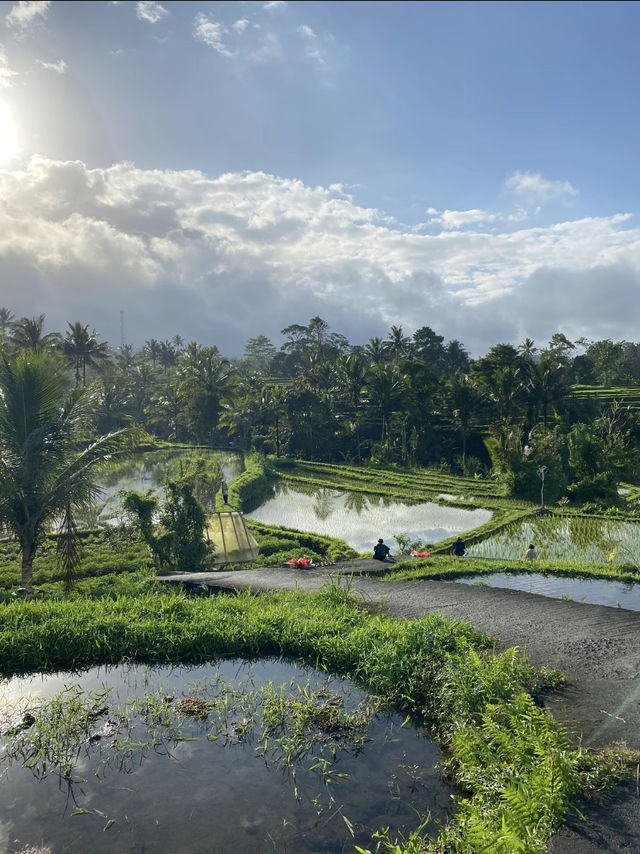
8,135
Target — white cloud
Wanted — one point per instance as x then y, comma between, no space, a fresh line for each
454,220
222,259
210,32
60,67
240,25
26,12
535,189
6,73
274,4
150,11
306,32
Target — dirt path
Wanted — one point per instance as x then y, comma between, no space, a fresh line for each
597,647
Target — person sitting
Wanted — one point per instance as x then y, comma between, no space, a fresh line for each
380,550
531,553
459,548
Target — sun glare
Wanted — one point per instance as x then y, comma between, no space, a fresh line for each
8,135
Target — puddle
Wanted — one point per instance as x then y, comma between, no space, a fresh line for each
167,783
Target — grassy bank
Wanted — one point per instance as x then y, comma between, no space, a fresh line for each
442,567
510,759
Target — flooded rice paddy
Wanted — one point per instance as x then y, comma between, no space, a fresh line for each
361,519
147,472
594,591
577,538
232,757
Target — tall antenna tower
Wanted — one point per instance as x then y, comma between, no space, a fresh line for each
121,329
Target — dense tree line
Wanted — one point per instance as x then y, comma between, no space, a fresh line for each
405,400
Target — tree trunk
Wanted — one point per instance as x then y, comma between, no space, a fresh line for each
27,567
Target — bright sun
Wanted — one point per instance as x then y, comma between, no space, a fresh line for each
8,135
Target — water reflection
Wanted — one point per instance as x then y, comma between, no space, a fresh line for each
590,591
156,779
147,472
360,519
577,538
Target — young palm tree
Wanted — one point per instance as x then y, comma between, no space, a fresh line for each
48,451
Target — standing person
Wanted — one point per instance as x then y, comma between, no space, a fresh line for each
380,550
531,553
459,548
224,488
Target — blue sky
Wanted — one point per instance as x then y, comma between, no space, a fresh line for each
221,170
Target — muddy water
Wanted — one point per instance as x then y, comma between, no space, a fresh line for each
215,796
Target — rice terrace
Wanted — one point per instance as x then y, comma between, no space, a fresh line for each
319,427
191,609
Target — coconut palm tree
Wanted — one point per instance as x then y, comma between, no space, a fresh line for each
397,344
48,452
83,349
28,334
6,322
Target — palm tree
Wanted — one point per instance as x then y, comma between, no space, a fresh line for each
28,334
375,350
204,380
397,344
152,350
83,349
386,386
6,322
48,452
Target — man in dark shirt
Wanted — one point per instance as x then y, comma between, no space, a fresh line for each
380,551
459,547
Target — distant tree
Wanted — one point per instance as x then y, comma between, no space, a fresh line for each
6,323
152,349
397,344
375,351
456,359
427,346
259,353
204,379
28,334
82,349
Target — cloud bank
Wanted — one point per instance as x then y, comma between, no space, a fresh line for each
221,259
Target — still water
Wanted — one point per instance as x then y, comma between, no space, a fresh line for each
148,779
147,472
361,519
585,539
591,591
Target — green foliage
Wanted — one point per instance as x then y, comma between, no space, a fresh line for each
179,540
252,487
48,447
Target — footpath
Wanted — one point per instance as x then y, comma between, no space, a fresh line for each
598,648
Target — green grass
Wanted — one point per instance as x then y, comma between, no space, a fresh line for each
442,567
510,759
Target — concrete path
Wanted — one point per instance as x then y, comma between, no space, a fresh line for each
598,648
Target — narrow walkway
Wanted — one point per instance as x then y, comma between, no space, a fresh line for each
597,647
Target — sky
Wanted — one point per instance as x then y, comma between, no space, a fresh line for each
220,171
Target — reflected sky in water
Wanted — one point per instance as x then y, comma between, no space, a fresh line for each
202,796
361,519
594,591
